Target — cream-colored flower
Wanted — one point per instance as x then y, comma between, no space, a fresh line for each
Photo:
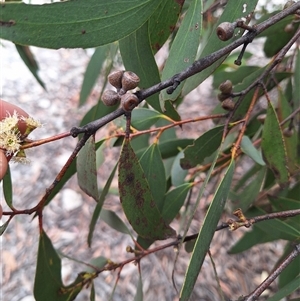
10,141
9,123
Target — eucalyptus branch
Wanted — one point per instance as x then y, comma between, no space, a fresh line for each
195,68
265,284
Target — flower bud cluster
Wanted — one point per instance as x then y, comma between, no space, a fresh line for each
123,81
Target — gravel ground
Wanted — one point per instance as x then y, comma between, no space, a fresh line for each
66,219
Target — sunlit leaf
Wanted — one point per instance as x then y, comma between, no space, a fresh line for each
206,233
86,169
273,148
203,147
136,198
143,119
184,47
73,24
92,72
97,262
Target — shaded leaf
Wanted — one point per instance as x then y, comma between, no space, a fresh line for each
74,24
273,148
3,227
99,205
249,149
203,147
139,290
7,188
86,169
174,200
93,293
283,204
92,72
48,283
113,220
286,290
154,170
29,60
138,57
136,198
206,233
184,47
163,22
170,148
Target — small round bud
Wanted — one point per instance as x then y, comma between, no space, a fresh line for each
225,31
226,87
129,101
228,104
129,81
110,98
115,79
222,96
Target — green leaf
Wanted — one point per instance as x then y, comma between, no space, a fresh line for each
93,293
273,148
252,238
75,23
283,292
248,148
283,204
177,173
48,283
296,87
171,147
92,73
136,198
143,119
203,147
163,22
206,233
250,192
139,290
154,170
3,227
112,219
174,200
86,169
97,262
99,205
138,57
29,60
7,188
184,47
233,10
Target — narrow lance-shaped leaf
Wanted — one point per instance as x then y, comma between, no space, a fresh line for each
7,188
86,169
75,23
273,148
206,233
48,283
136,198
92,72
203,147
184,47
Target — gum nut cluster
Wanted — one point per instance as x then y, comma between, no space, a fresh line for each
123,81
225,95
